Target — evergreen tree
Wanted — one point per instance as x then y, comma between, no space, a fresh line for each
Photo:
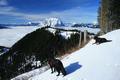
109,15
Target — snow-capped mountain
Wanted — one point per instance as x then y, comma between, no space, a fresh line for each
53,22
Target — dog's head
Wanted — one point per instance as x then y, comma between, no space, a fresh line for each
95,37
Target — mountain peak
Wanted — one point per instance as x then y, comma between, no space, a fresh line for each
53,22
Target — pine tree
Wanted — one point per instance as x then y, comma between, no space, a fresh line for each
109,15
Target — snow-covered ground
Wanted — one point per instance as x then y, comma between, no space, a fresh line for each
27,75
9,36
93,62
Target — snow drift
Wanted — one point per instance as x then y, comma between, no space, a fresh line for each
93,62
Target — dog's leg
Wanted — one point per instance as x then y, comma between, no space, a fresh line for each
52,69
58,72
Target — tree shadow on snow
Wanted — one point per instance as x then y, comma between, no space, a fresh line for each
73,67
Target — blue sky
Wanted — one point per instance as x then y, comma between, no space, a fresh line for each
23,11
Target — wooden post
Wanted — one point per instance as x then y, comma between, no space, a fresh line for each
85,36
80,39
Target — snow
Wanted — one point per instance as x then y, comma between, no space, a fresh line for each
93,62
53,22
51,30
11,35
67,34
27,75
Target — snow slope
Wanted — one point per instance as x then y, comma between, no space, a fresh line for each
93,62
27,75
9,36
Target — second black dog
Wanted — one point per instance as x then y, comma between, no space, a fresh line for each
99,40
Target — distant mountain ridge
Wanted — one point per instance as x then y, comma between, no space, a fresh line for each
2,27
89,25
27,24
53,22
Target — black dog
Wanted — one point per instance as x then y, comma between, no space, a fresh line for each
99,40
56,64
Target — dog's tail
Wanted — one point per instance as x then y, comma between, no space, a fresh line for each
108,40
